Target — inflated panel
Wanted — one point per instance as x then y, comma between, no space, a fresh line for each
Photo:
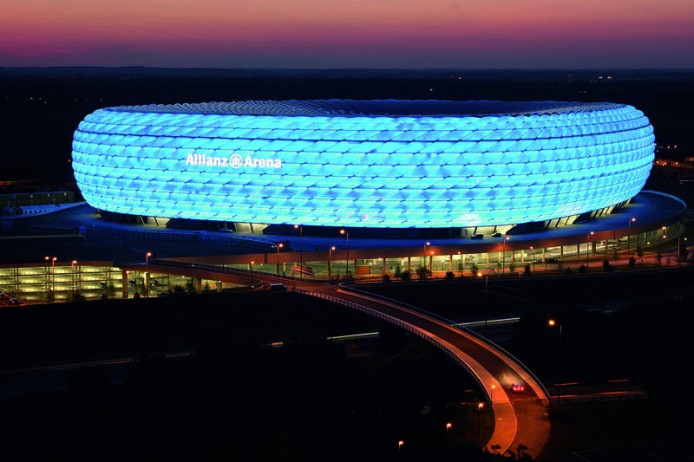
387,163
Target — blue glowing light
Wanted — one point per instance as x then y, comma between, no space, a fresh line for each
379,164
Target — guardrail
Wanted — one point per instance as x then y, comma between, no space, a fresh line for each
403,325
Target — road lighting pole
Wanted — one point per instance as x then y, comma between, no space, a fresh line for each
553,323
51,276
47,275
486,291
424,263
588,250
503,255
479,425
629,238
301,250
679,248
330,263
279,246
346,233
74,279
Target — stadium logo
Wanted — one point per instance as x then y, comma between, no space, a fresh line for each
234,161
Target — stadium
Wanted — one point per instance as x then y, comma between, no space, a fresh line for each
365,164
357,189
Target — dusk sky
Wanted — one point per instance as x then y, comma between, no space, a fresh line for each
324,34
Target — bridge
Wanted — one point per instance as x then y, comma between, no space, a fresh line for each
520,419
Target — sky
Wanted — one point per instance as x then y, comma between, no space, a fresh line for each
325,34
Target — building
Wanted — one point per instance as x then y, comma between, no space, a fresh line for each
368,189
469,167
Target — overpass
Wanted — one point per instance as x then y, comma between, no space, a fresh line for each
520,419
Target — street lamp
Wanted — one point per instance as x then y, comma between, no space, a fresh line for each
74,283
491,395
301,250
401,443
486,291
424,264
448,427
279,246
147,255
480,406
588,250
346,233
629,238
503,255
330,263
679,248
553,323
52,277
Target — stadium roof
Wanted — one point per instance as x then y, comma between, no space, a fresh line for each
376,108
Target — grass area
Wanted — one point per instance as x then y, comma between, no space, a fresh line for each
236,397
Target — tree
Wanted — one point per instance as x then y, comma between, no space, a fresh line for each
405,275
76,296
606,265
423,273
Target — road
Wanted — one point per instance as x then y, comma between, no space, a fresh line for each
521,419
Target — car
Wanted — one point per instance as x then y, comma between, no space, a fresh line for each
477,236
278,286
496,235
517,387
551,260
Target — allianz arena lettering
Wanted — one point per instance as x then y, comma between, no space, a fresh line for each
369,163
232,161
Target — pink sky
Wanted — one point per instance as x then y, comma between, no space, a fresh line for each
348,33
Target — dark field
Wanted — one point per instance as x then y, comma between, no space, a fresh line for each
231,395
313,399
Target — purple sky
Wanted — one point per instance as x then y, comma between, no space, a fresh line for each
348,33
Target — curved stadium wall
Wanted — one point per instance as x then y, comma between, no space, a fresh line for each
379,164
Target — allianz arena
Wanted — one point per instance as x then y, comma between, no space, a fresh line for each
364,163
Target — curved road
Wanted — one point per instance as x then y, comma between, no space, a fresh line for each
521,419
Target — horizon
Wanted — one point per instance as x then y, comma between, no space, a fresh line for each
329,34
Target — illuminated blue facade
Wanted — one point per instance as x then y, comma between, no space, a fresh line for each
385,164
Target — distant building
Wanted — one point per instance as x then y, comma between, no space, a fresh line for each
395,164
